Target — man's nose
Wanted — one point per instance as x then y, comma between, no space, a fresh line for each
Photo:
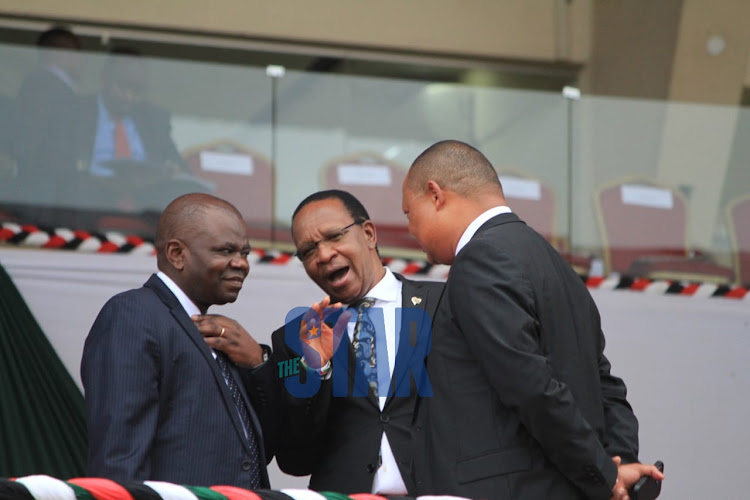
326,251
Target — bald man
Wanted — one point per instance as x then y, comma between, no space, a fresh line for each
525,405
165,402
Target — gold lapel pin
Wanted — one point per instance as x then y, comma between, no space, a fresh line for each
416,300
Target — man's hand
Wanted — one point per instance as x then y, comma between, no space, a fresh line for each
226,335
320,341
629,474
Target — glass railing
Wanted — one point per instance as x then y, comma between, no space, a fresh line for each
616,185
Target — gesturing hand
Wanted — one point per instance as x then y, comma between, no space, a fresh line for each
319,340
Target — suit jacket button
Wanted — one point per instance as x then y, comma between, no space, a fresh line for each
371,468
384,418
245,465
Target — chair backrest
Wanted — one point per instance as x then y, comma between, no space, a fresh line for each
638,218
242,176
376,182
738,217
533,201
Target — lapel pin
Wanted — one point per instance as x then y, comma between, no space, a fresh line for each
416,300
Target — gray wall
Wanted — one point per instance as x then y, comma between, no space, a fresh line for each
684,358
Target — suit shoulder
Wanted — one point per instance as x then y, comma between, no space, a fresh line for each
135,298
426,284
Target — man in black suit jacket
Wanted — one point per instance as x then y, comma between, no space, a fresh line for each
124,155
161,403
44,116
525,405
354,441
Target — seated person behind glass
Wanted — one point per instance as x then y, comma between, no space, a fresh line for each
120,130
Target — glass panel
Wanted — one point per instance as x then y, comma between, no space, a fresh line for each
264,144
109,149
361,134
652,184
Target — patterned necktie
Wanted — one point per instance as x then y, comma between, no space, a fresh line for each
122,144
234,390
363,342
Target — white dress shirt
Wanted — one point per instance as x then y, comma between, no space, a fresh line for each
190,308
387,295
477,223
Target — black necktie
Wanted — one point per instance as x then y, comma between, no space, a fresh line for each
247,424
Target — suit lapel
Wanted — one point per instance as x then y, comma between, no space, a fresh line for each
191,331
412,295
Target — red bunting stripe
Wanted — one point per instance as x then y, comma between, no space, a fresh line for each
235,493
102,489
41,487
29,235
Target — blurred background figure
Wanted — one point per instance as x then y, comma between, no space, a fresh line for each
120,124
123,143
41,116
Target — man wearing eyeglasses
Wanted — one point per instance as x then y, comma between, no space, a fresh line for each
356,442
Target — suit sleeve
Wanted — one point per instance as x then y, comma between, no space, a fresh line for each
304,419
493,303
264,390
161,145
120,374
621,424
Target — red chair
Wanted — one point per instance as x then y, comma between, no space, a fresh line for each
535,203
644,229
738,217
242,176
376,182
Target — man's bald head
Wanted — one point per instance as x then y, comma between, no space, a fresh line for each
455,166
184,216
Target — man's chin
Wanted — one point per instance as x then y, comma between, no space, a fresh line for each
227,298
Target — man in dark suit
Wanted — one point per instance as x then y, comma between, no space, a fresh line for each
525,405
124,156
161,403
44,115
120,124
353,436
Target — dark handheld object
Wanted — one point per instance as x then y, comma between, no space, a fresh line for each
647,488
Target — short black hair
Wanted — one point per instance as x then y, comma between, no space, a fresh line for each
58,37
352,204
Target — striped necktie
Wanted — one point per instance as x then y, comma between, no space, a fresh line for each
247,424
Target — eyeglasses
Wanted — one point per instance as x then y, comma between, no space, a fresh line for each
310,250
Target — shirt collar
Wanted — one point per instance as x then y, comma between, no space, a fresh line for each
190,308
388,289
477,223
61,74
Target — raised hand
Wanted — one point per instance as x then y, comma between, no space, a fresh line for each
319,340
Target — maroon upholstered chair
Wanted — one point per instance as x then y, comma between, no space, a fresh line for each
536,204
242,176
644,230
738,218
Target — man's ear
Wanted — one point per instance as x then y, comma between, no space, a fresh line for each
436,194
371,234
175,253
